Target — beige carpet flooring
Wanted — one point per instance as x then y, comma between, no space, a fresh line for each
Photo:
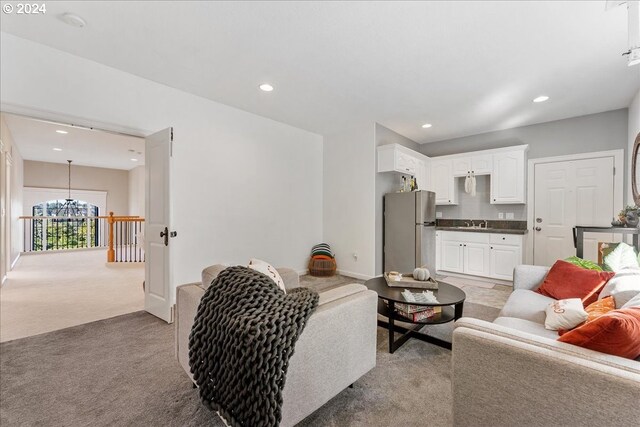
51,291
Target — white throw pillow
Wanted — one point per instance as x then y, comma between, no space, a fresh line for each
565,314
623,286
267,269
622,256
633,302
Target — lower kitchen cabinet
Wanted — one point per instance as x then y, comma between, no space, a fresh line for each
476,259
503,260
478,254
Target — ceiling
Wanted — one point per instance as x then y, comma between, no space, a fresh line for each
37,139
464,67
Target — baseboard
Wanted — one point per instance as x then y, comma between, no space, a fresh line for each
13,264
302,272
478,278
354,275
3,280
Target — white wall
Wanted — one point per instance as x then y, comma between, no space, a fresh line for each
349,199
634,129
10,200
136,191
242,185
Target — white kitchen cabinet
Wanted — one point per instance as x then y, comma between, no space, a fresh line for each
508,178
461,166
398,158
482,164
452,256
504,259
443,183
477,164
491,255
476,259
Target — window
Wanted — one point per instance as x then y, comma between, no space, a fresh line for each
59,230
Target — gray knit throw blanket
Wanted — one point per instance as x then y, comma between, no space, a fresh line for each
244,333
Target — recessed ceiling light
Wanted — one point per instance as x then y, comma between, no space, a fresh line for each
266,87
134,160
57,149
541,98
72,19
426,125
64,132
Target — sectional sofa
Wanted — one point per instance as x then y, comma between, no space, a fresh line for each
514,372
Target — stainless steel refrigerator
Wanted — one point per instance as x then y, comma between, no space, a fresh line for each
409,231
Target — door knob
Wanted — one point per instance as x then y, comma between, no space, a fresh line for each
538,220
165,234
538,228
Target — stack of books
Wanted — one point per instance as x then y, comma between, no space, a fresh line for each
417,313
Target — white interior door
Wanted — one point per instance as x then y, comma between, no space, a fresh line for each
570,193
157,298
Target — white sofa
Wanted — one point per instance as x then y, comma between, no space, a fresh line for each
514,372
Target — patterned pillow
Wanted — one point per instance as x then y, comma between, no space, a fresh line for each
268,270
623,256
322,249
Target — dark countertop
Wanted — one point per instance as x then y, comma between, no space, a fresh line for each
484,230
493,226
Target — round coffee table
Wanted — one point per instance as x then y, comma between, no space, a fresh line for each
450,298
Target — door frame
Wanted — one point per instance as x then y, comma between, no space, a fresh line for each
618,186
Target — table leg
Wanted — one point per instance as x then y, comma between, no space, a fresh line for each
458,311
392,307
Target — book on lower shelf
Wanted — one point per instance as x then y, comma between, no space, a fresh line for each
420,315
412,308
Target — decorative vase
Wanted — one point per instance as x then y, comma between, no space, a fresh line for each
632,219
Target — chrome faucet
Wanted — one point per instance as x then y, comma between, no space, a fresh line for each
466,224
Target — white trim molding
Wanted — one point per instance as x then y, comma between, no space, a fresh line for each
618,187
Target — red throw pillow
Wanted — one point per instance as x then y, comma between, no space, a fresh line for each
595,310
566,280
617,333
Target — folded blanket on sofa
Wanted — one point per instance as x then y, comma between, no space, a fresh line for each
241,341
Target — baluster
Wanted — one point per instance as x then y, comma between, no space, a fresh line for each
110,251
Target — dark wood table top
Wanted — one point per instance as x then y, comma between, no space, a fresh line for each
446,294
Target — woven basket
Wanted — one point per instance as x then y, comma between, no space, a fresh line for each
322,267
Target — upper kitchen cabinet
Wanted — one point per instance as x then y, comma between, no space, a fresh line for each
398,158
508,177
480,164
443,182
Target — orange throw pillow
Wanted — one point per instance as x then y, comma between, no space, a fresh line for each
566,280
595,310
617,333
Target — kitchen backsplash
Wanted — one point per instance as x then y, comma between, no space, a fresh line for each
479,206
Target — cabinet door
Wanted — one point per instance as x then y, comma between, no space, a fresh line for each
476,259
452,256
461,166
405,163
421,175
507,180
482,164
503,260
442,182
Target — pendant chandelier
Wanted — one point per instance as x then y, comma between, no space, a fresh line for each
70,207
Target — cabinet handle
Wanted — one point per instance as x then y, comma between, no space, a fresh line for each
504,238
494,200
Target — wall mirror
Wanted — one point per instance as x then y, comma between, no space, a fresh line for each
635,171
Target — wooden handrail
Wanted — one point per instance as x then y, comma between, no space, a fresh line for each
112,220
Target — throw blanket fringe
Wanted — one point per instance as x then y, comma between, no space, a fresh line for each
241,341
